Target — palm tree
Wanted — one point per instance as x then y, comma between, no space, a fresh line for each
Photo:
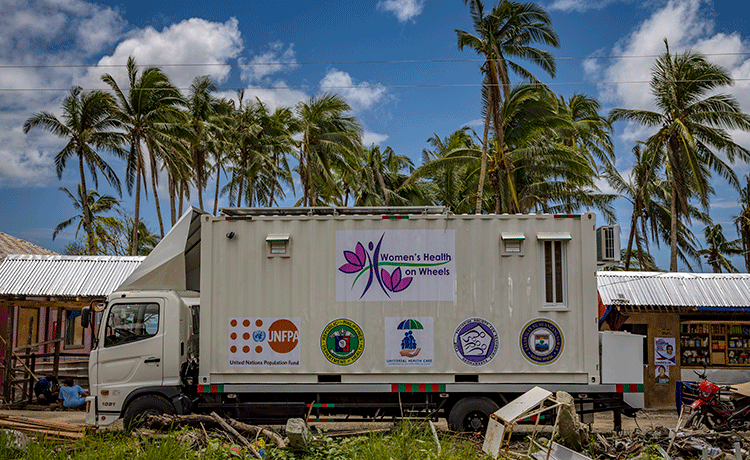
450,166
640,190
507,32
381,177
330,141
202,109
150,115
94,204
743,222
692,124
719,248
88,124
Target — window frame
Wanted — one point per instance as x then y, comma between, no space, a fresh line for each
560,289
112,339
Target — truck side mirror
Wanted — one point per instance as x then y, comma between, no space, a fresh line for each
85,317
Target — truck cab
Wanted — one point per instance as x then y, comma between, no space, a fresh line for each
134,364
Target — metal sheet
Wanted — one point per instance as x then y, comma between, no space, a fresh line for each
658,289
64,276
523,404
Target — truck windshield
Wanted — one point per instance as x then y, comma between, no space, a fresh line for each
129,322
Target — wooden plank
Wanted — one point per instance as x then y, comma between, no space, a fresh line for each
58,335
9,354
35,345
67,304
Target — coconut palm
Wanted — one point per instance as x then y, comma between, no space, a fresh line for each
330,142
639,189
743,222
150,115
691,122
202,109
94,204
719,248
507,32
381,176
451,167
88,125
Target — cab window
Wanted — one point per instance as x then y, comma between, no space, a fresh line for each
131,322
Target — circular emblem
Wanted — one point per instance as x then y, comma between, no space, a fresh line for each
475,341
283,336
342,342
541,341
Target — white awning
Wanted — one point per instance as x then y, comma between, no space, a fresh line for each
512,236
553,236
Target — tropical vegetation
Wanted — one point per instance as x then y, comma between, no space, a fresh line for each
538,151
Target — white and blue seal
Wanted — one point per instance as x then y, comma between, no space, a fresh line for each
541,341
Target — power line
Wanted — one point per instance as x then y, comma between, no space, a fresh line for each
368,86
291,63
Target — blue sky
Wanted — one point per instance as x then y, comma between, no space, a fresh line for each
395,61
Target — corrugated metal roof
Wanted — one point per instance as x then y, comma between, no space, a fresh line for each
64,276
659,289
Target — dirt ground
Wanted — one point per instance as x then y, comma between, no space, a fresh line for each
603,423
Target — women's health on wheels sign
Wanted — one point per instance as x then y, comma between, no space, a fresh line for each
383,265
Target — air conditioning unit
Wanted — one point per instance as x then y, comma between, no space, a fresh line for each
608,244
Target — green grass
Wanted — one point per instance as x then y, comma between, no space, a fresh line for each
407,441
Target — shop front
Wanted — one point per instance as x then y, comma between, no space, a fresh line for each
688,320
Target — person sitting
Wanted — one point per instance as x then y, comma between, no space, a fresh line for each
46,390
72,395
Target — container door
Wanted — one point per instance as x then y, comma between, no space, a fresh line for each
130,356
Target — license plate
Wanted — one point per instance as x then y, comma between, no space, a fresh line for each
687,409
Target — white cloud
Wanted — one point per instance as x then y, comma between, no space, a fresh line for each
369,138
404,10
282,96
275,60
686,24
578,5
359,96
188,42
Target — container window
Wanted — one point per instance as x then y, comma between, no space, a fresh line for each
278,245
555,274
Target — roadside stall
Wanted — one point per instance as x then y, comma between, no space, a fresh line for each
688,318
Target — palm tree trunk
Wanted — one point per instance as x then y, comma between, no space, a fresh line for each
182,197
172,209
154,173
483,167
85,208
216,194
629,247
137,205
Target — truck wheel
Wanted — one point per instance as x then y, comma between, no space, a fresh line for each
471,414
146,405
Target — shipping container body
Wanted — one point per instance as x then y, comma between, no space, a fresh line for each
267,314
391,299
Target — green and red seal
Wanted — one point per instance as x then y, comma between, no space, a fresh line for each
342,342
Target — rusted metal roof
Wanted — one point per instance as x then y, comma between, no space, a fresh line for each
64,276
12,245
702,291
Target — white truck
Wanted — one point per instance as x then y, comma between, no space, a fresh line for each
264,314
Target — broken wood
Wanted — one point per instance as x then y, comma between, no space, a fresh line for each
198,420
236,435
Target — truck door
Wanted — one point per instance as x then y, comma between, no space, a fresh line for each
132,353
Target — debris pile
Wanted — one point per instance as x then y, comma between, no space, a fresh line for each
64,432
210,427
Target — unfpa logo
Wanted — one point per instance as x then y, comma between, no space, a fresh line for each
283,336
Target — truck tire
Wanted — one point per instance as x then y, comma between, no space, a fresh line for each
146,405
471,414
